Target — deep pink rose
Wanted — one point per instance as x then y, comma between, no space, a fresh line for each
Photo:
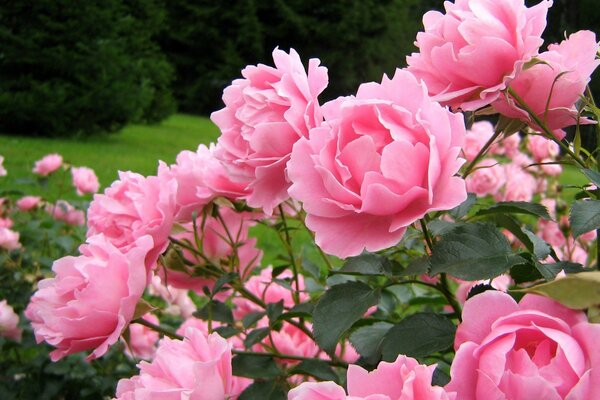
552,88
404,379
265,114
63,211
27,203
9,322
9,239
134,206
2,169
199,368
142,340
536,349
381,161
92,298
200,178
48,164
217,247
470,53
487,179
85,180
476,137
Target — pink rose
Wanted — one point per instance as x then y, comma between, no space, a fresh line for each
85,180
542,148
469,54
199,367
178,300
6,222
195,323
9,240
404,379
27,203
520,185
217,247
290,340
536,349
92,298
476,137
9,322
552,88
487,179
2,169
381,161
142,340
508,146
200,177
48,164
134,206
265,114
63,211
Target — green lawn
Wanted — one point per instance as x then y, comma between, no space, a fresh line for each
137,148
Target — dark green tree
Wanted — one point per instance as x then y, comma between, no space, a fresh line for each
74,68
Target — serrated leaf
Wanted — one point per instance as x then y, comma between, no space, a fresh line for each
319,369
577,291
367,264
418,335
226,331
463,208
593,176
550,270
216,311
255,366
338,309
539,247
252,318
440,227
585,216
274,310
517,207
367,340
299,310
263,390
255,336
473,252
224,280
417,266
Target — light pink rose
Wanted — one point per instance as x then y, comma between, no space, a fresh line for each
199,368
552,233
265,114
236,341
476,137
404,379
63,211
142,340
264,288
542,148
290,340
508,146
84,180
200,178
216,246
549,168
48,164
27,203
552,88
134,206
6,222
9,239
92,298
487,179
520,185
470,53
381,161
9,322
2,169
178,300
536,349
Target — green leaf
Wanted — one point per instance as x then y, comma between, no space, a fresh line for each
367,264
440,227
255,366
440,378
463,208
142,308
338,309
367,340
577,291
299,310
473,252
517,207
418,335
319,369
227,331
216,311
263,390
255,336
550,270
539,247
224,280
274,310
593,176
418,266
252,318
585,216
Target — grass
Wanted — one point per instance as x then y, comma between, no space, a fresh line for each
136,148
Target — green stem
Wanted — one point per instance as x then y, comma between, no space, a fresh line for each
480,154
588,92
445,290
427,236
288,245
157,328
545,130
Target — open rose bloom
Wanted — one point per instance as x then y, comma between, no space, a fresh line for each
84,180
48,164
468,55
381,161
